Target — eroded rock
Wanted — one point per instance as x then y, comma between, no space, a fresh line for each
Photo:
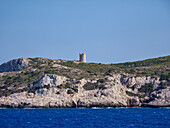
14,65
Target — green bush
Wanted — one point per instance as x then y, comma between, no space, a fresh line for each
165,77
75,89
58,92
69,92
101,81
163,85
46,86
159,92
146,88
90,86
67,85
102,87
60,86
133,94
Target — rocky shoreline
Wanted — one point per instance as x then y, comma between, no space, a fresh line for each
113,95
93,106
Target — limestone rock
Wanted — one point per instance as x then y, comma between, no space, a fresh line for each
14,65
139,81
161,100
50,80
114,95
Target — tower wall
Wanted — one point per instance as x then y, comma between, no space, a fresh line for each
82,57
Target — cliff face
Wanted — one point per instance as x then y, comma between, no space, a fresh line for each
14,65
47,83
161,99
75,95
113,96
135,83
140,81
49,80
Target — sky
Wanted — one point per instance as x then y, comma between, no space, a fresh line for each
108,31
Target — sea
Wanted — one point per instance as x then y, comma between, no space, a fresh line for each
86,118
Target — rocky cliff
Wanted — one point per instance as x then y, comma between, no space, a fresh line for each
57,95
14,65
41,83
59,91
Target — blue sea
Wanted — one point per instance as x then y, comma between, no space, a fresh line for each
86,118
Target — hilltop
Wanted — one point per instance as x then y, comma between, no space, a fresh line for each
43,82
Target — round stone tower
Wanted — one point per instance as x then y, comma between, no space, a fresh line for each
82,57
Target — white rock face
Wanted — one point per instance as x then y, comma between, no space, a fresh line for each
60,66
14,65
162,99
139,81
113,96
50,80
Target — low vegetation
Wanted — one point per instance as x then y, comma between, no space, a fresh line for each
133,94
92,86
70,91
150,67
146,88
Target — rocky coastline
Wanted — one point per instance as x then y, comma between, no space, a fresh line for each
58,91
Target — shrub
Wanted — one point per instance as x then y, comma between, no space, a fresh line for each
102,87
130,93
75,89
67,85
101,81
59,86
58,92
163,85
159,92
164,77
133,94
49,72
69,92
5,77
146,88
27,73
90,86
46,86
77,82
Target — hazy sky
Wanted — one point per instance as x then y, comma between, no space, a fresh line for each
108,31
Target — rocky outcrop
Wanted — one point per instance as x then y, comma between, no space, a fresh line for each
50,80
139,81
113,95
161,99
14,65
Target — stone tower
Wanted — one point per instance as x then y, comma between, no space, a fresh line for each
82,57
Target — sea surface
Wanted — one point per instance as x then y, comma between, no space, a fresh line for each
86,118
